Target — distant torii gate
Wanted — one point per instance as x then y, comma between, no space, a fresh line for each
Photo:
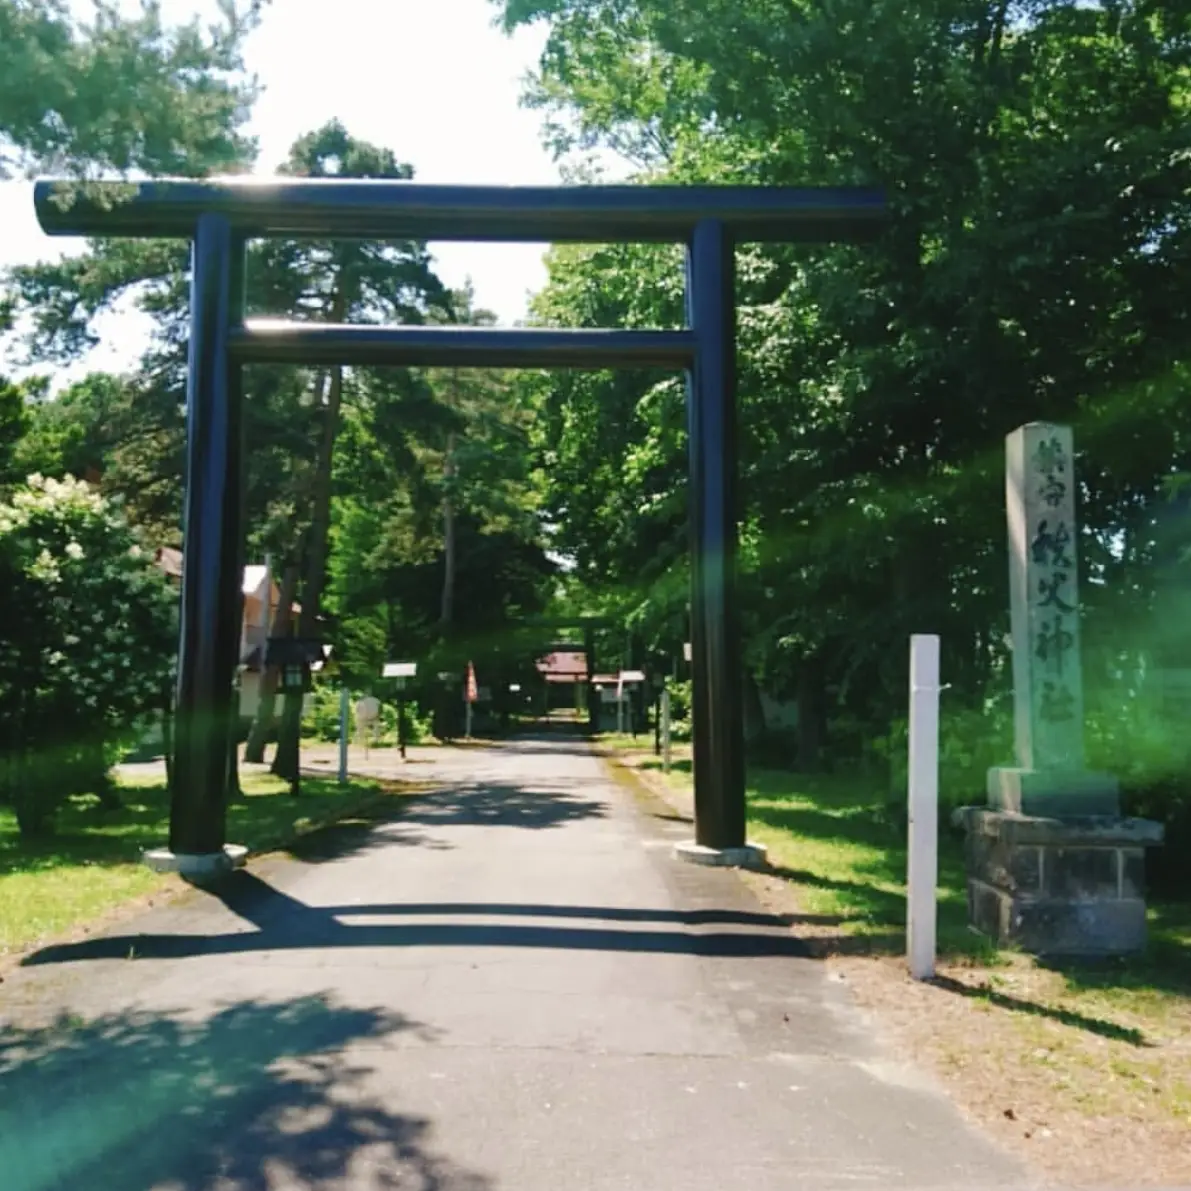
220,216
589,625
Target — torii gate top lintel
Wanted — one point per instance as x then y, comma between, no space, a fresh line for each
358,208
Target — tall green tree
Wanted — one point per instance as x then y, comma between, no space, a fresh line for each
122,92
14,423
339,281
1036,162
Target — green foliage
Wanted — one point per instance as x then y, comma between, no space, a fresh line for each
971,741
86,641
122,91
14,422
321,718
1037,162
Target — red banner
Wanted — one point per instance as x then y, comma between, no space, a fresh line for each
472,690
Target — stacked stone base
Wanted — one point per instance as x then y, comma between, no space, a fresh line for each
1065,887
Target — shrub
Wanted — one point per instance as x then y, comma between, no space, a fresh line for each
971,741
321,718
86,641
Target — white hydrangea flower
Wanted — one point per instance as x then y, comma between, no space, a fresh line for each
74,550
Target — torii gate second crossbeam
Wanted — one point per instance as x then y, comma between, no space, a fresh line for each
220,216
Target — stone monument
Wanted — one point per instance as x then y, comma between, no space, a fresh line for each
1052,865
1168,640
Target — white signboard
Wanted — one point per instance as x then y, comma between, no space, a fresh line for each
400,670
632,676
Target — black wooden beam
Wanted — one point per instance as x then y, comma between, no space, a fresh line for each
383,210
459,347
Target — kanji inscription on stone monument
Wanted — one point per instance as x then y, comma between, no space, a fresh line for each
1044,597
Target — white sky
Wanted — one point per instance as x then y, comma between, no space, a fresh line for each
433,80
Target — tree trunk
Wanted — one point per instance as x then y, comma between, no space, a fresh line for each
286,759
443,710
811,717
105,788
320,519
316,565
262,723
167,736
448,526
235,792
754,709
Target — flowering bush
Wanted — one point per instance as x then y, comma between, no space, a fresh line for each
87,637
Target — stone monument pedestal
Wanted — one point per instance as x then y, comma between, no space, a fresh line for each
1053,793
1071,886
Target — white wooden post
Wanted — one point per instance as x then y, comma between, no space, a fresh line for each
923,862
666,730
344,729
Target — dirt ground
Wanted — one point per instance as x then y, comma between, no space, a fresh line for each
1091,1090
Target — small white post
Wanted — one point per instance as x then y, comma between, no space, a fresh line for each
344,715
666,730
467,719
923,862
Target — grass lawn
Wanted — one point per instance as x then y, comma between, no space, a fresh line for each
93,863
1087,1067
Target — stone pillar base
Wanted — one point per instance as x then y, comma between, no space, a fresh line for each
194,866
749,856
1053,793
1071,887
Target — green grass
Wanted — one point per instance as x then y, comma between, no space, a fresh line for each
92,864
836,840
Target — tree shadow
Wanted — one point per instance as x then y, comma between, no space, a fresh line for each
881,900
257,1094
1066,1017
1164,966
359,834
490,804
878,906
284,923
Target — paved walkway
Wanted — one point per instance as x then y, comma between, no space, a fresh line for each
513,986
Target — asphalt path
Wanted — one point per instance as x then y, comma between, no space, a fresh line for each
512,985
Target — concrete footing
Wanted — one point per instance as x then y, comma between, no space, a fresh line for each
196,866
748,856
1058,886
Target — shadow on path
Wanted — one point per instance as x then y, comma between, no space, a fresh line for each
533,805
285,923
255,1095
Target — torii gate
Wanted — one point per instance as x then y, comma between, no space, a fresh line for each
220,216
